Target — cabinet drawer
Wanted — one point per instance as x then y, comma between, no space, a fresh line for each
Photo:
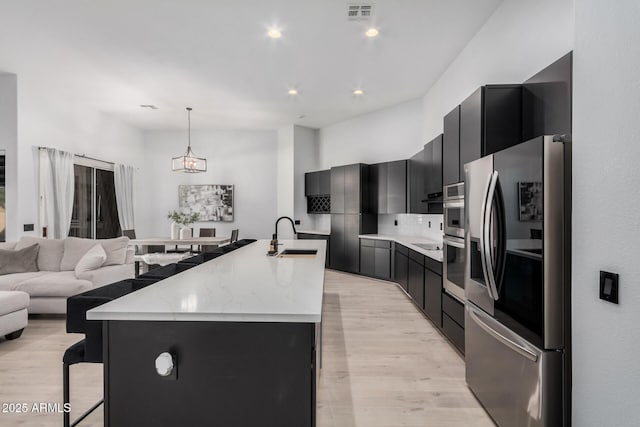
417,257
433,265
368,242
385,244
453,308
402,249
453,331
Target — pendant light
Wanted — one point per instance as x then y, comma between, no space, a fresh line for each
189,163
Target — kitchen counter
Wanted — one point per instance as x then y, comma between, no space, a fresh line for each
410,242
235,341
245,285
320,232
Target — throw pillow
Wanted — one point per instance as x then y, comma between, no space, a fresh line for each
93,259
116,250
19,261
49,254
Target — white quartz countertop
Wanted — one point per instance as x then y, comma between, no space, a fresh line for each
245,285
322,232
411,242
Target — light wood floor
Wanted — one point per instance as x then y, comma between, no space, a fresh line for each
385,365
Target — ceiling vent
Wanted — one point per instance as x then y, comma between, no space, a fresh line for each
360,11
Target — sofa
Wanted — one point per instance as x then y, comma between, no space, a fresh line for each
55,277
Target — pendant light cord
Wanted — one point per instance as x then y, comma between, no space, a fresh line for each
189,125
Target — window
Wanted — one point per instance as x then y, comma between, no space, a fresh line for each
95,213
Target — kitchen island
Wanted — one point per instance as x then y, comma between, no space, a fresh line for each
233,342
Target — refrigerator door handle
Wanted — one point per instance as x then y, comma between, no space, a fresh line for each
488,264
504,340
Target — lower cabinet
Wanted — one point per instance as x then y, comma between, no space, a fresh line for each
375,258
309,236
433,296
453,321
416,279
401,266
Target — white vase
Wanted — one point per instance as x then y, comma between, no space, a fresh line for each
175,231
186,233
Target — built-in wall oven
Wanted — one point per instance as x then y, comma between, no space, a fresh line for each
453,241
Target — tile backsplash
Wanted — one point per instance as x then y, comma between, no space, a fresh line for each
412,225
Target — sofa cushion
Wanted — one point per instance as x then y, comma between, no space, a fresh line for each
10,281
11,301
93,259
116,250
75,248
8,246
60,284
20,261
49,255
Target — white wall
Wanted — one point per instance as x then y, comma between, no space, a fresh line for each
306,159
9,143
606,206
246,159
285,172
393,133
518,40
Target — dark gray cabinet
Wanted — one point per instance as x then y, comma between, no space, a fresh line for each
317,183
388,187
375,258
309,236
433,296
490,121
453,321
451,166
547,100
350,215
415,286
433,169
401,266
416,189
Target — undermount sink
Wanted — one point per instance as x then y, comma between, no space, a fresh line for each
298,252
428,246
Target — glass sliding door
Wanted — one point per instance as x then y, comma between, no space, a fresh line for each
2,198
95,214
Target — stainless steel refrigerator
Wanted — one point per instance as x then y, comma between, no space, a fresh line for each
517,282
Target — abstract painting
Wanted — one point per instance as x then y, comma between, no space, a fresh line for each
212,202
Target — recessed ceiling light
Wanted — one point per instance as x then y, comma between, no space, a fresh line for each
150,106
358,92
274,33
372,32
292,91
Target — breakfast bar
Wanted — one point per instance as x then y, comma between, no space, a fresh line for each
232,341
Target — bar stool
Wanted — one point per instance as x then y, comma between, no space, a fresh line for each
74,355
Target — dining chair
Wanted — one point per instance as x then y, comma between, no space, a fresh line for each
151,249
207,232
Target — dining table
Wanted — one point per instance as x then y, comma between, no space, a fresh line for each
143,258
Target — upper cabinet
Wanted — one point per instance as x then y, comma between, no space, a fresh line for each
416,170
489,120
547,101
451,166
317,183
433,170
388,187
348,189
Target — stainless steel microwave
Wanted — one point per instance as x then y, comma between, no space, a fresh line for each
454,210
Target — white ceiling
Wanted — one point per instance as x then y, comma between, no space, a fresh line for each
215,56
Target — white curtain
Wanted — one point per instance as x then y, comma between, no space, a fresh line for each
123,179
57,179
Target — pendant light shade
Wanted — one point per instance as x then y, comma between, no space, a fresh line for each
189,162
